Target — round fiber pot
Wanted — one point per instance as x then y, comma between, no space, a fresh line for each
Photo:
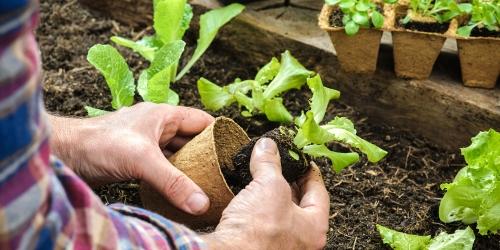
479,61
202,159
357,53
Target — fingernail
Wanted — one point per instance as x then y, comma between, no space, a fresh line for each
267,145
197,202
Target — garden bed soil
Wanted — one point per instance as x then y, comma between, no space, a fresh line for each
401,191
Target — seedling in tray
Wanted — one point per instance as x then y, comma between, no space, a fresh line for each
428,12
163,50
359,13
484,15
306,137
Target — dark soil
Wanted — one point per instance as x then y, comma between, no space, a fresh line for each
292,168
424,27
484,32
337,15
401,192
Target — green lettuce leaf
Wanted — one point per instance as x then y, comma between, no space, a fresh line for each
402,241
292,75
212,96
210,23
275,110
474,194
460,240
145,51
321,97
168,19
339,160
311,132
268,72
154,82
93,112
115,70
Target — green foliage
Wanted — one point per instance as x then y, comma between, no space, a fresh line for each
483,14
260,96
115,70
264,98
474,194
359,14
460,240
164,50
440,10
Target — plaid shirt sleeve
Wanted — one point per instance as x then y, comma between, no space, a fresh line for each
43,204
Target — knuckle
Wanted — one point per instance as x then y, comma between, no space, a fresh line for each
175,185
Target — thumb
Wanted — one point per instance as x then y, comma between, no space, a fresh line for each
174,185
265,161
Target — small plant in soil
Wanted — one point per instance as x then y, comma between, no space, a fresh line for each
356,14
163,51
432,15
484,19
305,138
474,194
459,240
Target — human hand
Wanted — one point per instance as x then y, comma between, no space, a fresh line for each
128,144
267,214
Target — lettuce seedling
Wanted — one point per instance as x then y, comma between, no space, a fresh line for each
484,14
440,10
359,14
474,194
459,240
264,99
257,97
164,50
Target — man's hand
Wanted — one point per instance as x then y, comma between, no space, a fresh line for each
128,144
268,215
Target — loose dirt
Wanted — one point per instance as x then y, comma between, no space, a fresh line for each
401,192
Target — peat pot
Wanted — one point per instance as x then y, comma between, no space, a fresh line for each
202,159
479,61
357,53
415,52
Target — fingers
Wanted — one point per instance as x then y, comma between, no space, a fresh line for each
314,195
177,143
265,161
191,121
174,185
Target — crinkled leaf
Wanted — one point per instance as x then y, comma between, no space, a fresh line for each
212,96
244,101
115,70
210,23
342,122
93,112
292,75
145,51
339,160
474,194
402,241
268,72
321,97
459,240
311,133
275,111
